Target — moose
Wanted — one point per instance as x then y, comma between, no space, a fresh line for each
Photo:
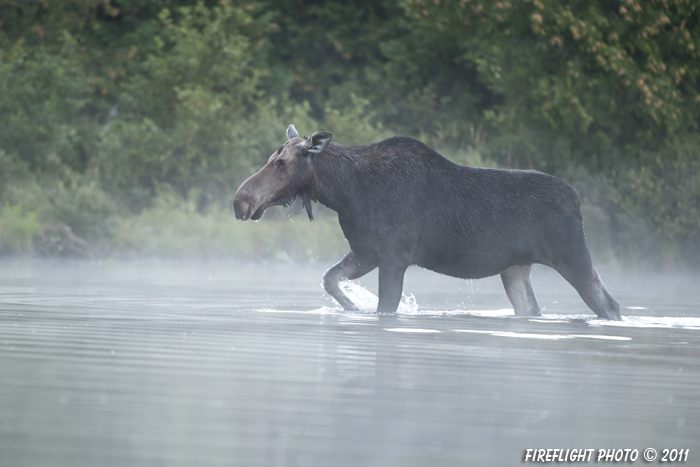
400,203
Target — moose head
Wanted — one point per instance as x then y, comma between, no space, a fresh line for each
287,174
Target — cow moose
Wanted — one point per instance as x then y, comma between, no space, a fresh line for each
400,203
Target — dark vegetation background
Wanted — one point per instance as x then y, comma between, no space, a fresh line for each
126,126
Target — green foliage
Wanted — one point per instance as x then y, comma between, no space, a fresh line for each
77,203
612,74
82,206
665,190
45,94
18,229
201,69
370,49
186,106
354,124
174,228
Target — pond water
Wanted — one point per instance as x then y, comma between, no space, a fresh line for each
207,364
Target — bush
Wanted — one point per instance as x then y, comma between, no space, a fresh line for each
18,229
46,95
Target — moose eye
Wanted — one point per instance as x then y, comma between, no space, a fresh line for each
280,163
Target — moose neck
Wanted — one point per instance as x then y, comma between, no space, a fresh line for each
336,177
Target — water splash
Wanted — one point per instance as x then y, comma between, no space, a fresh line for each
366,301
363,299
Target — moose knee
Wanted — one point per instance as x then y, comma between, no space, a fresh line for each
331,279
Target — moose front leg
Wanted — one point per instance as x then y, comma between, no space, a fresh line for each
390,288
350,267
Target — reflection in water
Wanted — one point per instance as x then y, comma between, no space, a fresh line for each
213,364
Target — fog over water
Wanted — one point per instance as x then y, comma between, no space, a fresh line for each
222,363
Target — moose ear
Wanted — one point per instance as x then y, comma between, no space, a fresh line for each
292,132
319,142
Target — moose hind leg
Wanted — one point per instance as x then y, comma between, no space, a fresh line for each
591,289
350,267
572,260
516,280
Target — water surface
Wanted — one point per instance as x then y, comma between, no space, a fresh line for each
171,363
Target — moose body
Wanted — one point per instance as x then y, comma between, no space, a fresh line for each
400,203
